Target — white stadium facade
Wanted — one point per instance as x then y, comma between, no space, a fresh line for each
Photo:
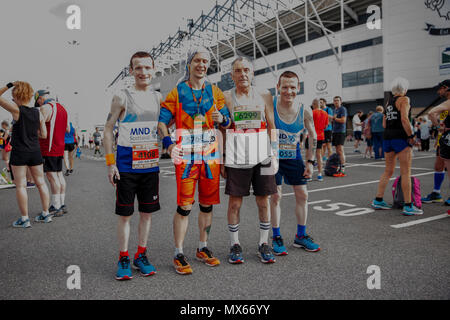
350,48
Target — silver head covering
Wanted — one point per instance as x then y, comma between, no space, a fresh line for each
190,55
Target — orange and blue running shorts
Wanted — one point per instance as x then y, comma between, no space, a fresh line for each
208,189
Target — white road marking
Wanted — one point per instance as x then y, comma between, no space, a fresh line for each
356,184
408,224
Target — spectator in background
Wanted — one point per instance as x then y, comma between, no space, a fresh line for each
328,130
368,135
357,129
377,129
425,135
417,143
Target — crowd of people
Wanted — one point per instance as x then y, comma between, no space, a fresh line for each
245,135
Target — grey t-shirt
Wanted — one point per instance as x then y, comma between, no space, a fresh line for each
97,136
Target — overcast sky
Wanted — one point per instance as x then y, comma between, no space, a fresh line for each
34,45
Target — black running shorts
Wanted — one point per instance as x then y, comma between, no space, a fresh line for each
53,164
69,147
239,181
338,139
30,159
143,185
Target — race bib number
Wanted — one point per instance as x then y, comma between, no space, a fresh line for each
144,142
145,156
287,151
247,118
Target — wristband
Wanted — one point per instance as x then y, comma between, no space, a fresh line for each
110,160
225,123
167,141
9,85
411,136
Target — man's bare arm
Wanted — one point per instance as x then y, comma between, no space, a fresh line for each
312,136
270,118
117,107
436,111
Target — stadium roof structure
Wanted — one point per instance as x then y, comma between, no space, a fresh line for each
257,28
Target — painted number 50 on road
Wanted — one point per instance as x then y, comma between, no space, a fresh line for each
338,209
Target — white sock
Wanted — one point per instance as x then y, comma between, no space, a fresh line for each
178,250
202,245
63,199
234,233
56,201
264,228
24,218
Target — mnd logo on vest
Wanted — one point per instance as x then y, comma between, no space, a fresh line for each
143,134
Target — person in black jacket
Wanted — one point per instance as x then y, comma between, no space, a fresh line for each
28,127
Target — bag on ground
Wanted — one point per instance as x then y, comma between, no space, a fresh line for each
333,165
397,193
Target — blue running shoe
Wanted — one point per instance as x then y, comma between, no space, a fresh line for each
307,243
320,178
411,211
22,224
124,270
265,254
447,202
43,219
143,265
380,205
235,256
432,197
278,246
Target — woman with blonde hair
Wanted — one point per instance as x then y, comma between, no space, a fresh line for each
398,142
29,126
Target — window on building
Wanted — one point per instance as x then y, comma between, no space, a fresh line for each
363,77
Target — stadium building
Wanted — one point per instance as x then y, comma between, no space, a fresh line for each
350,48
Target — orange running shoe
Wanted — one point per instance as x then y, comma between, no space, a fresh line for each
181,265
206,256
339,175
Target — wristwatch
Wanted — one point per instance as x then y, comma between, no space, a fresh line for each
411,136
311,161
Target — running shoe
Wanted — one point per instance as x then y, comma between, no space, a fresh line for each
307,243
278,246
411,211
143,265
64,209
71,171
22,224
124,269
340,174
380,205
43,219
57,213
265,254
309,180
324,158
235,256
52,209
447,202
30,184
320,178
205,255
181,265
432,197
67,173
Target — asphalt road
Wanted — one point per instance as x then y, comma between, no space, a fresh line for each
413,260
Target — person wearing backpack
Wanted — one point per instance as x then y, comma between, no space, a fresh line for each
398,142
